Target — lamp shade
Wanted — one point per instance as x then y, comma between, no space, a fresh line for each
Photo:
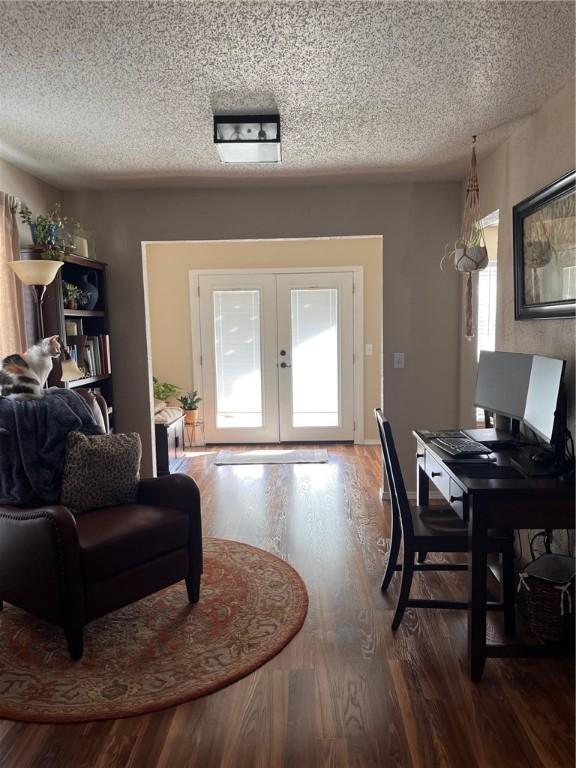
36,271
248,138
70,371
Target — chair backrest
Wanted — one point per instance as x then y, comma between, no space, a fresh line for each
92,399
399,497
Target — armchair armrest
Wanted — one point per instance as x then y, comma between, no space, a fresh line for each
177,492
40,563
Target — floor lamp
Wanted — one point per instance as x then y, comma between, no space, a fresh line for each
37,273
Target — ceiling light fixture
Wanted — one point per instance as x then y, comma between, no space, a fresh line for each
248,138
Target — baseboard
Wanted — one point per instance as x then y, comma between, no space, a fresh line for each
367,442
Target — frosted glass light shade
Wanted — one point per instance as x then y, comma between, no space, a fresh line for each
70,371
249,152
248,138
36,271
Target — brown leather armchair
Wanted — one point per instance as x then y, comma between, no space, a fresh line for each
70,569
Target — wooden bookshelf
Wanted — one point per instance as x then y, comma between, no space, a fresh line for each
84,313
94,322
86,381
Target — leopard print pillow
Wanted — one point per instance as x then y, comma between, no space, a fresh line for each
101,470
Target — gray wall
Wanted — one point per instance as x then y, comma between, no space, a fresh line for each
540,149
420,303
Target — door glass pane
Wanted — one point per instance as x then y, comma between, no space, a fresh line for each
315,385
237,356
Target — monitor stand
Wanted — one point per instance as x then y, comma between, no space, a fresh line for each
492,437
499,430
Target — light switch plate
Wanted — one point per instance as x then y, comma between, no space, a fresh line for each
368,349
398,359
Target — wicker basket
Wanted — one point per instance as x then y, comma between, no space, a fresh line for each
549,583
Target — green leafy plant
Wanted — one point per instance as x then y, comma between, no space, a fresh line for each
163,390
74,293
52,232
189,400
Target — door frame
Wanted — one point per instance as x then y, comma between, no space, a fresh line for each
358,330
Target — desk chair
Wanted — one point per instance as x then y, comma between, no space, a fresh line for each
433,529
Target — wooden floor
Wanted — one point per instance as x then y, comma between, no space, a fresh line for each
346,691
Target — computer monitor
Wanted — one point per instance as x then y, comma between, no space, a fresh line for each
542,398
502,383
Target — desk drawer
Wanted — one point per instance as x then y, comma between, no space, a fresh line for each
438,475
458,501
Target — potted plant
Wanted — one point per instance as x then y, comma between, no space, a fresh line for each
52,233
74,296
471,254
189,402
163,390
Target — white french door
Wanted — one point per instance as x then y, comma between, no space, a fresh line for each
315,356
277,356
239,372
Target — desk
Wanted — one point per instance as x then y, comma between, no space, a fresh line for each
501,502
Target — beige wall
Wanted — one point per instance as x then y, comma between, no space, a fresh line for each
168,267
420,303
539,151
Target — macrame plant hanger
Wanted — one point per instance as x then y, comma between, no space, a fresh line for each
469,251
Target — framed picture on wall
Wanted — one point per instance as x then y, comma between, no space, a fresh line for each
545,252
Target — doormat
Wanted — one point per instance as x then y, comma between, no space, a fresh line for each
274,456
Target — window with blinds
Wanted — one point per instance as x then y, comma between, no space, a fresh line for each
486,325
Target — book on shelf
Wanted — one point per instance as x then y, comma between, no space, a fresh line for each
90,358
91,353
104,341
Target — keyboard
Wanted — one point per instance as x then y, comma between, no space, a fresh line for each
460,446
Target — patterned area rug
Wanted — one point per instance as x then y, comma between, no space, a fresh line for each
274,456
158,652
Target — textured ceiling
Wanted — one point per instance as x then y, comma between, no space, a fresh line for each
106,93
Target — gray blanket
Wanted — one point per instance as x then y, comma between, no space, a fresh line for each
33,444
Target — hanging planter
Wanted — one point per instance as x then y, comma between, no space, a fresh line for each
469,252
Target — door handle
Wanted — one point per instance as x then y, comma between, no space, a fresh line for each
436,474
456,498
285,365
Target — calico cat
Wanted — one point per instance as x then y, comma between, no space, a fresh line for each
22,377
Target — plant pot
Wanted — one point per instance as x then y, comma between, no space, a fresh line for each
71,304
50,239
471,258
191,417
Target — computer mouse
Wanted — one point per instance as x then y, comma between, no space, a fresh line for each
540,458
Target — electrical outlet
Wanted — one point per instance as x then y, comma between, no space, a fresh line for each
398,359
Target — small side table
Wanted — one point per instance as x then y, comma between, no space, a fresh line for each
169,444
194,434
